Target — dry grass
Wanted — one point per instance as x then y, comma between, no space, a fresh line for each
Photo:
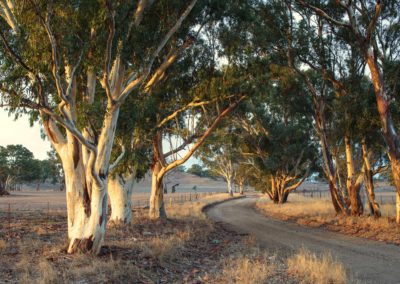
304,207
310,268
249,264
247,269
320,213
166,248
388,210
193,210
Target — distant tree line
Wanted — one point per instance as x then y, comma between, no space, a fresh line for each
18,165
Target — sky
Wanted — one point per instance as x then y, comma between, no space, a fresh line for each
20,132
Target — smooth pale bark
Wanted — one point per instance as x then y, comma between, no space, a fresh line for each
87,227
329,169
398,208
157,206
241,188
369,188
230,184
342,187
353,186
388,129
120,189
86,181
86,207
281,187
369,184
7,12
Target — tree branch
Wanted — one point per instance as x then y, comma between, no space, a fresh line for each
202,138
119,158
133,81
107,61
323,14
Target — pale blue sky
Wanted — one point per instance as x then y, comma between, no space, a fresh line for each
20,132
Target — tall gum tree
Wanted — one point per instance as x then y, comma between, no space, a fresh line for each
220,154
133,166
280,154
79,47
163,162
189,52
204,96
373,27
121,181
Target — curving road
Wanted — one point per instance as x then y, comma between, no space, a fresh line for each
369,261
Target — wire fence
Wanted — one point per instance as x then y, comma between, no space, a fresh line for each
380,197
14,214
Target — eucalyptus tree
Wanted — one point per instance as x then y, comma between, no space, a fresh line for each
278,142
373,28
131,153
317,45
69,63
241,176
164,104
202,107
17,166
221,155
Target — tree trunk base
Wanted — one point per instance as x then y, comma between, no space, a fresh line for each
398,208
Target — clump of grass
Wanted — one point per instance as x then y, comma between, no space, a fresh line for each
165,249
42,272
47,273
310,268
95,270
247,269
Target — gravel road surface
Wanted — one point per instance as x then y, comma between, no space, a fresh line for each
368,261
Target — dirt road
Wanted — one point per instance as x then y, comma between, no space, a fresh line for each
368,261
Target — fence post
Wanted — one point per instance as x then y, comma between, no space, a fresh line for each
9,218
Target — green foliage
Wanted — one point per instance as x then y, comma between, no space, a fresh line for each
17,165
200,171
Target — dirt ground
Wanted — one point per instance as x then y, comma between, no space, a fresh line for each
187,248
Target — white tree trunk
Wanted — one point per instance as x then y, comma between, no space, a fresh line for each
157,207
87,210
120,192
398,208
241,188
86,183
231,184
